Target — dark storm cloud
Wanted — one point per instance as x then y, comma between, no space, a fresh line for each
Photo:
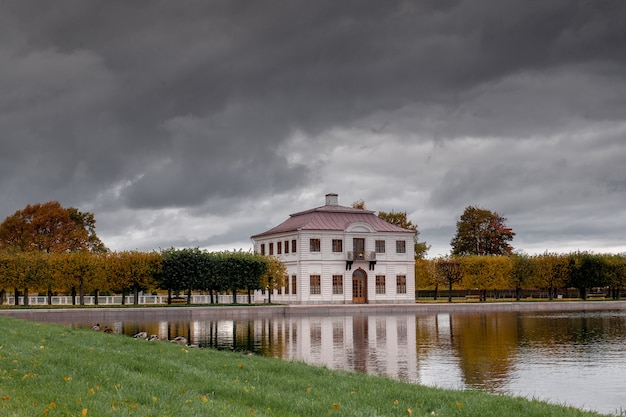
123,107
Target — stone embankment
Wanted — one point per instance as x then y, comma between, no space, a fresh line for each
73,315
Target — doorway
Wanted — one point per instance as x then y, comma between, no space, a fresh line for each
359,287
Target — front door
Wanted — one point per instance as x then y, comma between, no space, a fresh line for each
359,286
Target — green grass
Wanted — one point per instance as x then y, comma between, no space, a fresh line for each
51,370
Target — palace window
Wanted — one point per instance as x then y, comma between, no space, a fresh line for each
279,248
293,284
315,245
380,284
337,284
316,284
286,246
400,246
380,246
271,249
401,284
337,245
263,249
293,246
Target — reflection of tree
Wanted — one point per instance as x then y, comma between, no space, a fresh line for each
485,345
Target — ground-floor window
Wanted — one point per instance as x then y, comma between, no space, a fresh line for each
380,284
287,286
401,284
337,284
316,284
293,284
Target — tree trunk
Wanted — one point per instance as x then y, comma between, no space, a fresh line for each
49,296
189,296
16,301
81,295
234,296
135,294
3,296
73,296
123,297
249,297
96,294
25,296
518,293
269,295
450,292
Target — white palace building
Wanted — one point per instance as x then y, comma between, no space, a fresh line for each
340,255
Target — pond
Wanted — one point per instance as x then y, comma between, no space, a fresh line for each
573,358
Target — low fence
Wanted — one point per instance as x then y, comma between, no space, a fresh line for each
66,300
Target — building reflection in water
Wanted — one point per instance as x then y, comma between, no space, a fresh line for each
537,355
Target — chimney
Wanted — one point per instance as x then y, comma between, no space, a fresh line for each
332,199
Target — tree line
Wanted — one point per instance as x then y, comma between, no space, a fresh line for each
130,272
548,272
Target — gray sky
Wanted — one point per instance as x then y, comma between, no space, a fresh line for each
200,123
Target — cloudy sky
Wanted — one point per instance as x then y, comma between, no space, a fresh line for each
200,123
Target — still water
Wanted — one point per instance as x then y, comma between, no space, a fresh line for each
573,358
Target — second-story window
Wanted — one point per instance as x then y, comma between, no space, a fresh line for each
315,245
286,246
279,248
337,245
380,246
271,249
293,246
400,246
263,249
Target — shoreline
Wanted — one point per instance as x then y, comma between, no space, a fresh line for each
260,311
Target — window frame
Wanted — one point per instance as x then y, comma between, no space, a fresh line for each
400,246
315,245
315,284
401,284
337,245
378,245
337,284
381,284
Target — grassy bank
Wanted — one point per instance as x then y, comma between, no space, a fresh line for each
51,370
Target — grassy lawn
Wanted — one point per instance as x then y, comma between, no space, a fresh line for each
51,370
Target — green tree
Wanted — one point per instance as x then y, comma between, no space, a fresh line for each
482,232
520,273
587,271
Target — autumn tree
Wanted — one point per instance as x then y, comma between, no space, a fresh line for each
134,270
449,272
482,232
550,271
50,228
486,273
399,218
275,276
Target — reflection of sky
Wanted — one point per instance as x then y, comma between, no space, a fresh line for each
589,379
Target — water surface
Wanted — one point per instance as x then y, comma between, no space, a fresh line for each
573,358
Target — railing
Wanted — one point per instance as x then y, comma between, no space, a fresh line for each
38,300
361,256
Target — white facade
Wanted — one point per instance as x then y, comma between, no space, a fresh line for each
342,256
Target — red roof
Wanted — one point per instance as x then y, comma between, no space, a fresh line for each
332,217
